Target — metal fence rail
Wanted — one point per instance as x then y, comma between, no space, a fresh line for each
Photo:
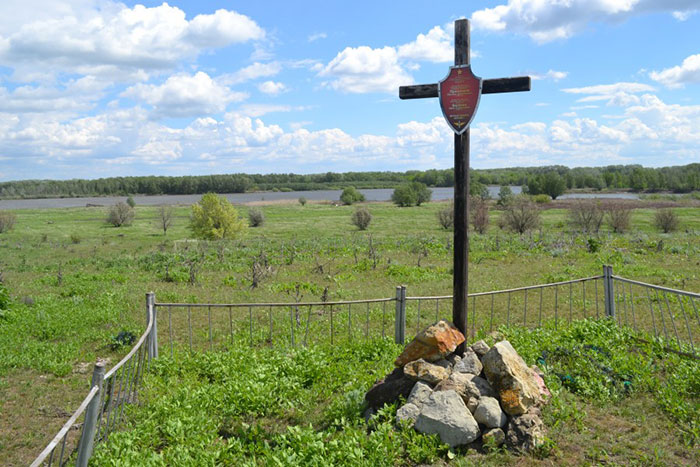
103,407
669,315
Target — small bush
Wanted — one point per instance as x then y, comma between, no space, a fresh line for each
361,218
120,214
522,215
586,215
215,218
410,194
619,215
446,216
480,215
542,199
130,201
256,218
75,239
7,221
505,196
302,201
666,220
350,195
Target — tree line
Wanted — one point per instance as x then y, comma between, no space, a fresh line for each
635,177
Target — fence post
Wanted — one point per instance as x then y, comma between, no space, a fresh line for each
400,316
151,310
87,437
609,291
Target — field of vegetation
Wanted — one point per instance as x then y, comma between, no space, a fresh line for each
74,283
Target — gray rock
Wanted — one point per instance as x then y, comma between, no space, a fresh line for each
489,413
420,370
478,387
525,432
407,412
444,363
445,414
419,393
469,363
493,437
511,378
472,404
480,347
454,359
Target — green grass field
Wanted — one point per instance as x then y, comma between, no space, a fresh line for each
76,282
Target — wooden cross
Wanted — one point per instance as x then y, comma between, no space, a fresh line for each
460,277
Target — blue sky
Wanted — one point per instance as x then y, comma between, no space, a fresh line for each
98,88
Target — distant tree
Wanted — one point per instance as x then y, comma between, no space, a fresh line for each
553,184
350,195
505,196
120,214
361,218
130,201
214,218
423,193
165,218
404,196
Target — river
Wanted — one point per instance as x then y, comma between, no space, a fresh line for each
383,194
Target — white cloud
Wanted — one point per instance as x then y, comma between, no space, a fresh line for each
434,47
617,94
258,110
547,21
551,74
272,88
317,36
251,72
113,40
363,69
185,95
678,76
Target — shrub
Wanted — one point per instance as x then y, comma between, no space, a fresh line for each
350,195
361,218
404,196
479,215
410,194
586,215
505,196
120,214
7,221
551,184
542,198
256,217
446,216
522,215
302,201
215,218
619,215
130,201
666,220
75,238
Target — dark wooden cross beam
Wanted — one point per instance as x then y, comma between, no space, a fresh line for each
460,277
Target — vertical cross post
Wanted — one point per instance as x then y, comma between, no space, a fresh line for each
460,276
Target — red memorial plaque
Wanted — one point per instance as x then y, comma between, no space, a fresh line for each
459,95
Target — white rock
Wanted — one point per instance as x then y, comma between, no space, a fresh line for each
472,404
489,413
407,412
445,414
511,377
480,347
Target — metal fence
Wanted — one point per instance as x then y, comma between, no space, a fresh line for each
668,315
102,409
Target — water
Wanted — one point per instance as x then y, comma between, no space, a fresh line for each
383,194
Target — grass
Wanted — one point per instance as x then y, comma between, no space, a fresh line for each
266,406
68,299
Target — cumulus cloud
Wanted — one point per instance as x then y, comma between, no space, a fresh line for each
551,74
116,40
679,75
434,47
548,21
185,95
363,69
616,94
272,88
251,72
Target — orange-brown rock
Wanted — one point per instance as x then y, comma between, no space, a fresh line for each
432,344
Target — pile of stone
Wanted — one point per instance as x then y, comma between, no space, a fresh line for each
486,394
